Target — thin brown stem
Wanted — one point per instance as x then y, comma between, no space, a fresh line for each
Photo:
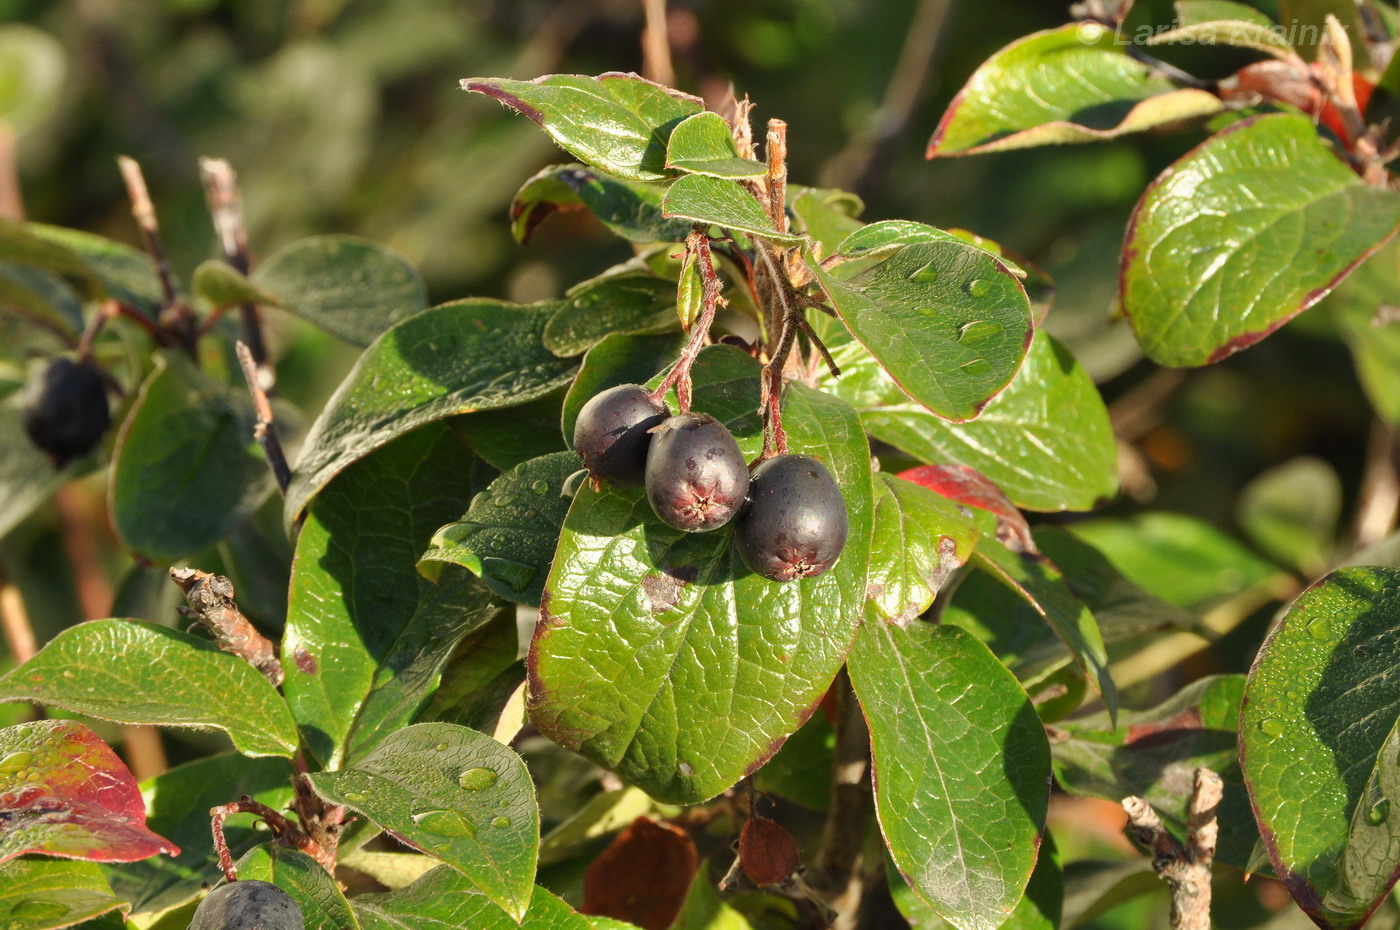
1379,499
176,319
698,244
1185,868
776,182
226,208
822,350
284,832
656,44
210,603
94,328
11,200
14,619
836,869
265,430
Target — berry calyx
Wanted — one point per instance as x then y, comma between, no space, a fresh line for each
65,409
796,523
248,905
612,434
696,478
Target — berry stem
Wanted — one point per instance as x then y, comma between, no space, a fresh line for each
283,831
698,243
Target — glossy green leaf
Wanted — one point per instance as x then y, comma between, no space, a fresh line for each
350,287
1319,744
920,539
323,907
619,123
120,271
946,321
445,900
826,215
1076,83
723,203
1042,585
630,209
1038,909
625,303
1291,512
1154,754
1272,220
1362,306
23,245
32,66
482,676
41,295
67,794
704,144
455,794
366,636
44,894
508,535
186,469
1191,12
27,477
506,437
658,654
222,285
1239,33
617,360
961,767
1045,440
1178,558
456,358
135,672
177,805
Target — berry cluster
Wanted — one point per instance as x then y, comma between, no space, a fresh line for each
791,517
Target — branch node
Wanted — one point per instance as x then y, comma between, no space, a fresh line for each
1184,867
210,603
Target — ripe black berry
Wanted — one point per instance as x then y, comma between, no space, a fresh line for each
248,905
611,433
65,409
795,524
696,476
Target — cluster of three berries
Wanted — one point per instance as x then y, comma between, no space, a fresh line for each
791,517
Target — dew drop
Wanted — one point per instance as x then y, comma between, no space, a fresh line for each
540,487
685,769
444,823
979,287
978,366
441,747
531,514
475,779
15,761
1272,727
924,275
505,500
1378,813
1320,630
500,822
979,331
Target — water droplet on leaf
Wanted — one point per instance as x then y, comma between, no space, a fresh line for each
1272,727
540,487
685,769
501,822
474,779
444,823
441,747
978,366
979,331
15,761
979,287
924,275
1379,812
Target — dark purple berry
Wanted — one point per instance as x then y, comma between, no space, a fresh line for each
65,409
795,524
696,476
248,905
612,434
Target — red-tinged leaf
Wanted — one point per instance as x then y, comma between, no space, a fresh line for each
643,875
767,852
64,792
967,486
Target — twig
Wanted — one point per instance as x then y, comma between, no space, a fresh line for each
211,604
656,44
1380,488
698,242
1185,868
284,832
836,871
176,318
265,430
11,200
19,633
94,328
226,207
775,150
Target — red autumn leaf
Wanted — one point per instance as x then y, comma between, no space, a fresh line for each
643,875
968,486
64,792
1282,82
767,852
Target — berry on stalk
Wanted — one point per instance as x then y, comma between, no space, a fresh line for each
248,905
795,525
65,409
696,478
612,434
